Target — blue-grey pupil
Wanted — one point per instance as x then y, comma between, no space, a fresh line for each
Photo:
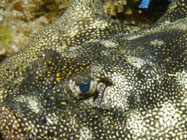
84,87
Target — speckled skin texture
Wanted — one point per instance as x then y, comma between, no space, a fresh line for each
137,77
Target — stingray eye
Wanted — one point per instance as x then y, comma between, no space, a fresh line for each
82,85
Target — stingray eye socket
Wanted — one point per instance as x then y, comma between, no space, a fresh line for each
82,86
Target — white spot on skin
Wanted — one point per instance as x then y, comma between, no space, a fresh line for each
108,43
116,96
140,63
135,61
85,134
156,122
71,29
169,116
72,51
49,120
157,42
31,101
136,124
132,37
96,68
52,119
182,79
99,24
73,121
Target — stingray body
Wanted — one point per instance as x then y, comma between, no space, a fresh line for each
88,77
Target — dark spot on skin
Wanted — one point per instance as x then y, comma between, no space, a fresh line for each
50,133
140,75
1,136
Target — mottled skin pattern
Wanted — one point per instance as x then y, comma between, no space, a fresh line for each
135,79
